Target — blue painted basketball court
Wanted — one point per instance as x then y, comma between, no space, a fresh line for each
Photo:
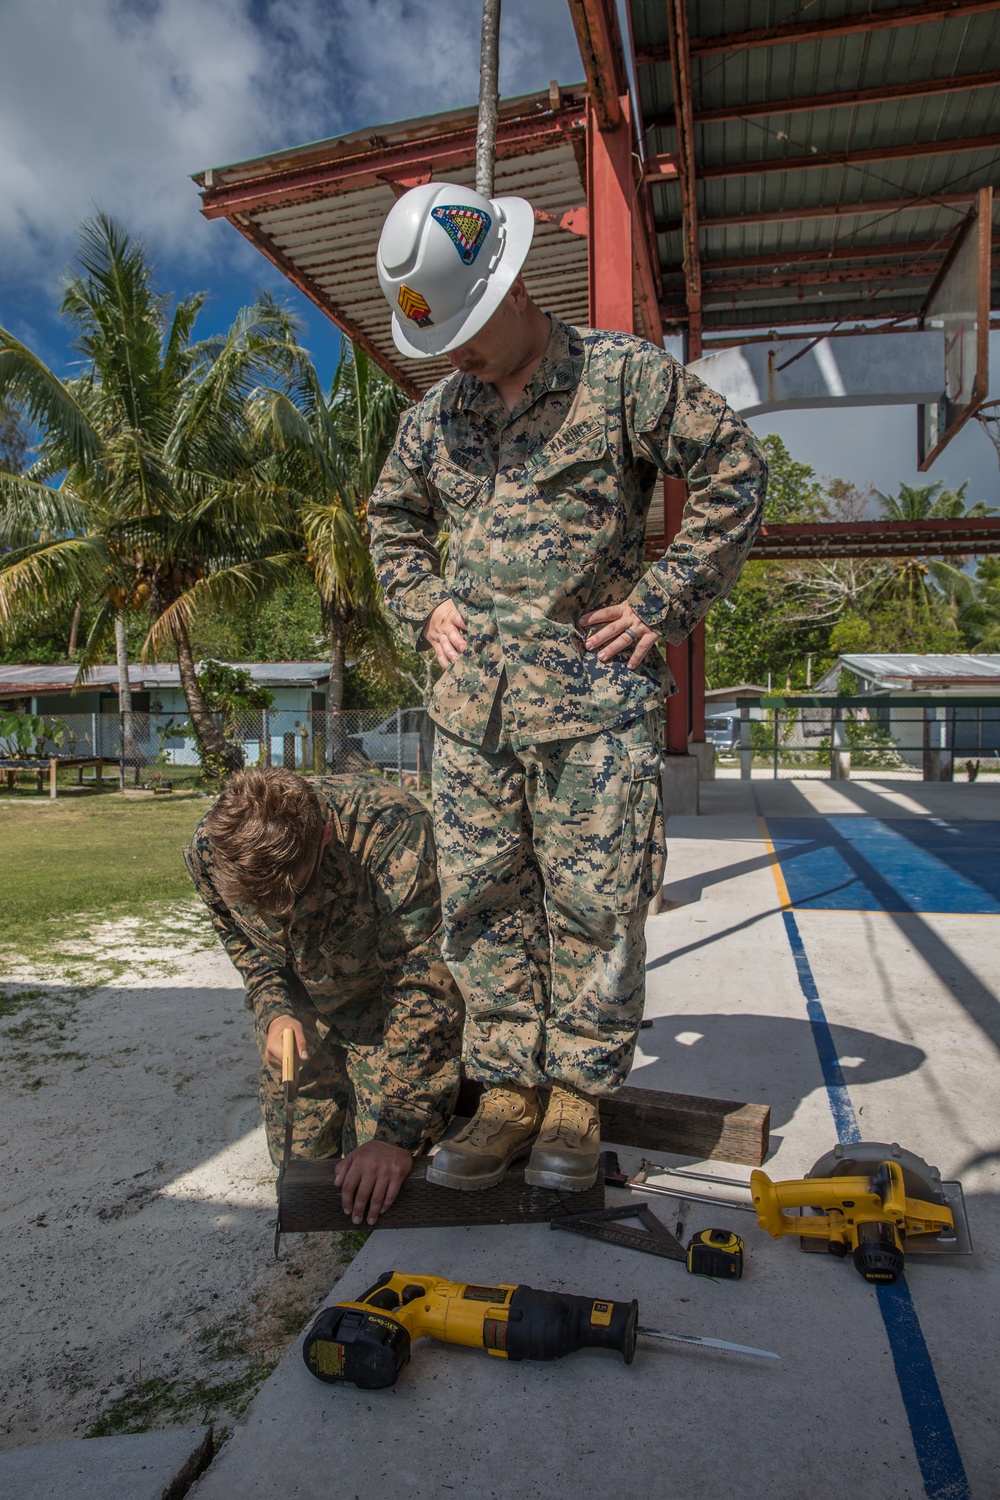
858,863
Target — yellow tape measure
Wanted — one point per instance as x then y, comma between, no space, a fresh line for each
715,1252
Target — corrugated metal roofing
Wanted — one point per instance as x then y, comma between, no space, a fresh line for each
836,148
28,679
892,669
795,138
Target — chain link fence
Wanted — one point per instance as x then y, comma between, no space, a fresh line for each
922,738
159,750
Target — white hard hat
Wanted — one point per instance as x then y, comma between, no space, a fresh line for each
446,260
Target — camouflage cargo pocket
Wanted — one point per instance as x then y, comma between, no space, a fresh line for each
598,826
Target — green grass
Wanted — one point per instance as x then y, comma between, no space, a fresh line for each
75,860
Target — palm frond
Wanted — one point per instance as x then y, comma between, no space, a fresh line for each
38,581
46,401
228,591
29,509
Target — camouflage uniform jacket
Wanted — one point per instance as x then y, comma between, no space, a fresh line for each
545,508
366,926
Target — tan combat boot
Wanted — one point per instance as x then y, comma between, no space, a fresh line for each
567,1152
501,1131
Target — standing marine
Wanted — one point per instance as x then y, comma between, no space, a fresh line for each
324,893
538,457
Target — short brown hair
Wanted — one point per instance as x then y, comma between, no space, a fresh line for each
260,829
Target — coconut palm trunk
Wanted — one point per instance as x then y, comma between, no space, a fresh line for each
130,750
212,743
74,630
337,747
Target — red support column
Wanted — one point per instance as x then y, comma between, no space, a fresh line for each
697,639
609,198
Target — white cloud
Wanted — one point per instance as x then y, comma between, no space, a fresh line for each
113,103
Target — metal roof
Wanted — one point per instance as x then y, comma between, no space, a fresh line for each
29,679
925,671
802,166
825,155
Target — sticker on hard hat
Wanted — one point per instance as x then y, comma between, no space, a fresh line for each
467,228
414,307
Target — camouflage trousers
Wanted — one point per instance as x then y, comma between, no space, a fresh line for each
548,858
340,1084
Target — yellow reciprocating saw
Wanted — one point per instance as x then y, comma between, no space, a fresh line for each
869,1216
367,1343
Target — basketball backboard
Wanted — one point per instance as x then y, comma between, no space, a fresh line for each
959,304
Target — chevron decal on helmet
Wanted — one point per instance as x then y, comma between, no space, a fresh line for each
467,228
414,307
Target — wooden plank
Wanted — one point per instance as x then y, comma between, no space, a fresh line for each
684,1124
308,1201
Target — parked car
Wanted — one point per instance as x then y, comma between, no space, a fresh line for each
724,733
392,744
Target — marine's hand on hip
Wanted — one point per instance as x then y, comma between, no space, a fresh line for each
445,633
615,629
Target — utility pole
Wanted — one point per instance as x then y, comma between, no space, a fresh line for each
489,98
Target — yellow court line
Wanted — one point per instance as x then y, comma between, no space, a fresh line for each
776,870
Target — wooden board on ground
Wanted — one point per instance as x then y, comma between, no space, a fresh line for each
308,1201
683,1124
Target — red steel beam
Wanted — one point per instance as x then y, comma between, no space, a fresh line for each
680,68
884,93
778,258
522,135
808,31
808,320
895,325
937,538
599,41
903,152
822,211
849,275
799,542
610,239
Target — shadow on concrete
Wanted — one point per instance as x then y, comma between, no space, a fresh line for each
979,1001
690,890
764,1059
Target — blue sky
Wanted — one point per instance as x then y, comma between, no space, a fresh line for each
112,104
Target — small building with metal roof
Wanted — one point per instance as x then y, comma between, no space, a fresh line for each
905,673
297,686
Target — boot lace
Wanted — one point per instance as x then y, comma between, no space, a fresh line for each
572,1120
495,1107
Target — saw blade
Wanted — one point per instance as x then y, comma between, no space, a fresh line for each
701,1342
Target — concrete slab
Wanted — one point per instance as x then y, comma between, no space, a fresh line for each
147,1466
881,1023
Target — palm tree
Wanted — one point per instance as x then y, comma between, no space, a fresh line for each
144,481
331,450
924,588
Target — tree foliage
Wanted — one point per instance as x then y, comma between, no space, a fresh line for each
144,497
788,622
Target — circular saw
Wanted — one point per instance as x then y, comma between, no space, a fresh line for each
872,1200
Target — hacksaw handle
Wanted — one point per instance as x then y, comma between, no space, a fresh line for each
289,1057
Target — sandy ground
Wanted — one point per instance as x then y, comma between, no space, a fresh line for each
139,1287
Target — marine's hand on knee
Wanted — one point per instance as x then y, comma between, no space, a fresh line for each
370,1178
272,1047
